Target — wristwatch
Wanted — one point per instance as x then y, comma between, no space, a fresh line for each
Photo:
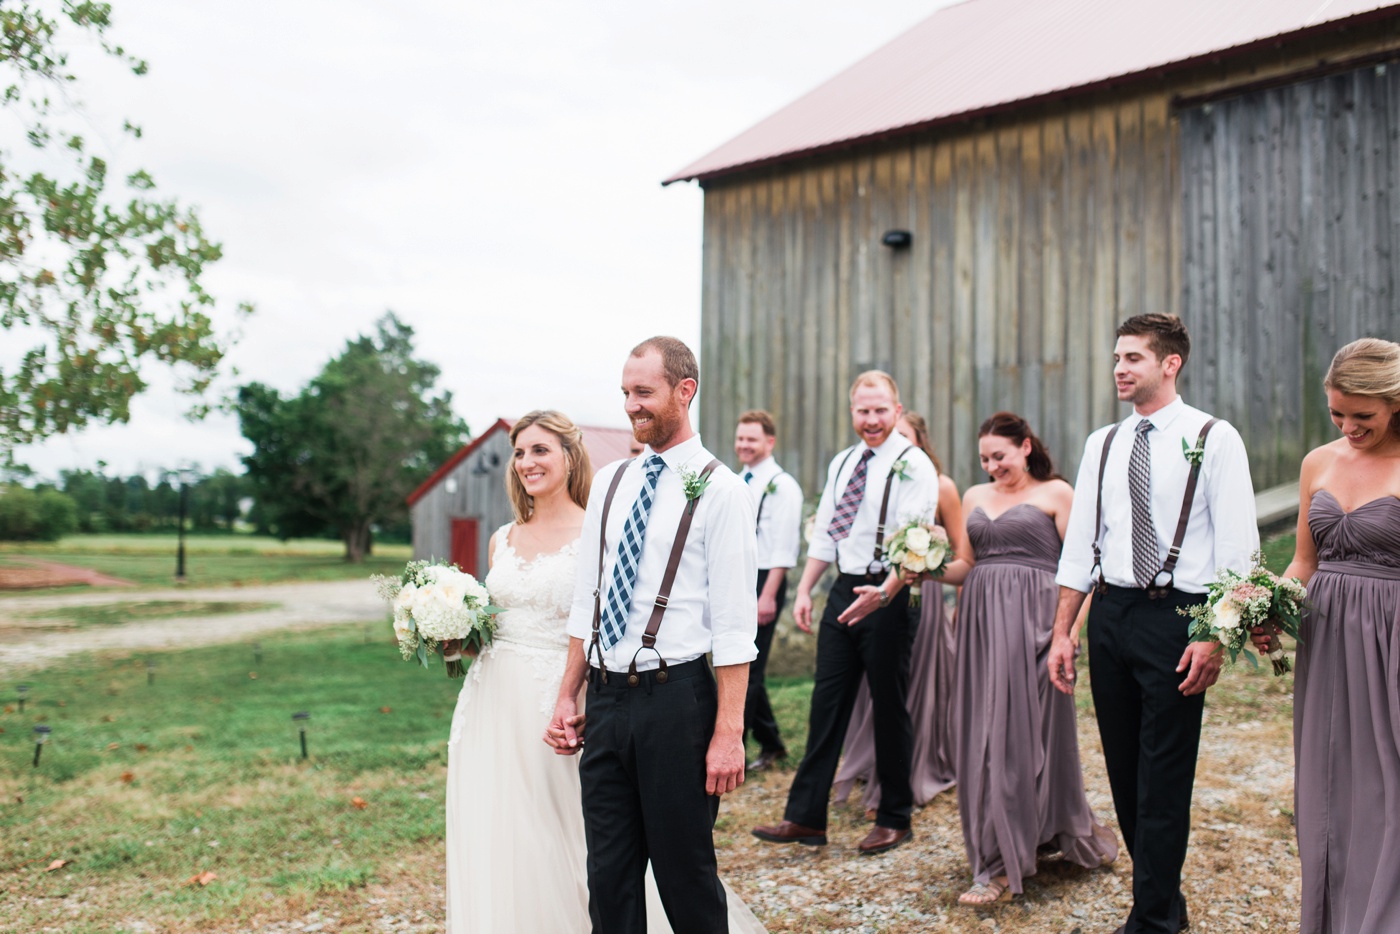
883,597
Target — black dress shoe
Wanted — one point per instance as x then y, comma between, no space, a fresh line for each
767,759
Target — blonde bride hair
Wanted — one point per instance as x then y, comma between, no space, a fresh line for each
1368,367
575,456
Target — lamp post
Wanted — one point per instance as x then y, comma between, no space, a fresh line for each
183,474
300,718
41,736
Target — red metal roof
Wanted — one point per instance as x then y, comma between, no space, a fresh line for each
605,445
982,55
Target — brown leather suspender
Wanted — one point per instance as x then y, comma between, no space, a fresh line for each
758,517
1155,590
663,594
876,567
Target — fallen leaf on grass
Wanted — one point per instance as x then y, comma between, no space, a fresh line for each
142,747
108,718
63,703
9,708
386,710
200,879
128,777
252,676
113,747
360,803
19,799
56,864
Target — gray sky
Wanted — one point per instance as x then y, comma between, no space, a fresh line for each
491,172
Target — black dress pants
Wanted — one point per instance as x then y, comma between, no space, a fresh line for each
758,712
877,647
643,777
1150,733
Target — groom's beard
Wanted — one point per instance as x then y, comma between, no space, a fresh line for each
662,429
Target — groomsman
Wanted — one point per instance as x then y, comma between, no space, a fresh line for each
777,501
866,629
673,566
1135,494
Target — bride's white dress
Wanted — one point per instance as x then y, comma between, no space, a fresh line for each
516,857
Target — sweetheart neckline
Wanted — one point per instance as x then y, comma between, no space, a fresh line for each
991,518
1346,512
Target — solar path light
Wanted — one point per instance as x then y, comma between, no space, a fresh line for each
41,736
301,718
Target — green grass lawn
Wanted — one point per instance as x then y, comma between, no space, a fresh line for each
211,560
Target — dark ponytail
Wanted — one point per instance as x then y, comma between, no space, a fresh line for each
1017,430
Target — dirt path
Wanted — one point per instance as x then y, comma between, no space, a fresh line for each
35,573
299,606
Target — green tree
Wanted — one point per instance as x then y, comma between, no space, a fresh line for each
97,274
29,515
345,452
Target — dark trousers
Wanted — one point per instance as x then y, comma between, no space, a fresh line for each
758,712
877,647
643,777
1150,734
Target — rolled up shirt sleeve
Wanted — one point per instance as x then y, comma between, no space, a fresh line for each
1077,556
731,562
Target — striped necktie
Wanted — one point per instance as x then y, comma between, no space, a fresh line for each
1146,559
629,554
845,515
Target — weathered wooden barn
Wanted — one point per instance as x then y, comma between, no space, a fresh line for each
455,511
1056,166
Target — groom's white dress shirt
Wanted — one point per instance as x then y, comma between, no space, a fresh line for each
909,499
780,522
1222,532
713,606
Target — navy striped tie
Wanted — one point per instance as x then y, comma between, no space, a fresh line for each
629,554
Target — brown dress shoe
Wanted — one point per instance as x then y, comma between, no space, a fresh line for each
881,839
767,759
788,832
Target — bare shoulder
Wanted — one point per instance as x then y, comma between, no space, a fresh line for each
946,486
975,494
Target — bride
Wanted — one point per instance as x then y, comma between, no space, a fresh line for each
516,856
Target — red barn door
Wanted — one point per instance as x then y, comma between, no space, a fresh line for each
464,546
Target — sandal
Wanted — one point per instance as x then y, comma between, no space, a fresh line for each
986,893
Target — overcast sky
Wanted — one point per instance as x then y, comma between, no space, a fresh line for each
489,171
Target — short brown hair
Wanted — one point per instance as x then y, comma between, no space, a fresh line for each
1166,335
677,360
876,378
760,418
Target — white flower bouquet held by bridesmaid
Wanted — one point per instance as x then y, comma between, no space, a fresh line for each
439,609
919,547
1236,604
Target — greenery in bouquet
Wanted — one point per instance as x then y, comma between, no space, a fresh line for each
920,547
1237,603
438,608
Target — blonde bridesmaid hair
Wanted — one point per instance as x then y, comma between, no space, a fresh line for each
1368,367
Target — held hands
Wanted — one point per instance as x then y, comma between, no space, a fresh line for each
802,611
565,730
767,609
1203,659
1265,639
456,647
866,602
1063,650
724,764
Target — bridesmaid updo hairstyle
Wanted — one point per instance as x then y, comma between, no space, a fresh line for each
1017,430
575,455
916,422
1368,367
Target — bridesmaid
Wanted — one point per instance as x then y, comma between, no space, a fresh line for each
1346,712
931,669
1019,783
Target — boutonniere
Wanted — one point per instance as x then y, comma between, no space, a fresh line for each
771,488
901,469
694,485
1195,455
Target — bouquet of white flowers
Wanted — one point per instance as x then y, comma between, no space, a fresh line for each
1236,603
919,546
436,604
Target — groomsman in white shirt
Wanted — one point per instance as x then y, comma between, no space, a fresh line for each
777,501
865,630
664,741
1134,491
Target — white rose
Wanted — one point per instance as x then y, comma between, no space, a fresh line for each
918,540
935,555
452,593
401,629
915,563
1227,615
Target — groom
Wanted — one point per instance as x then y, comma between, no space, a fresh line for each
1148,682
672,567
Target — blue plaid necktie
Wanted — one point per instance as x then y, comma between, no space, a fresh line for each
629,553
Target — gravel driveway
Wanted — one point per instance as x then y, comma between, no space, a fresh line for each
27,642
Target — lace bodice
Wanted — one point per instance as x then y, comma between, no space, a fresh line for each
536,594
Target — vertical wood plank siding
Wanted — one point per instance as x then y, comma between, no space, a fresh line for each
480,494
1288,234
1032,239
